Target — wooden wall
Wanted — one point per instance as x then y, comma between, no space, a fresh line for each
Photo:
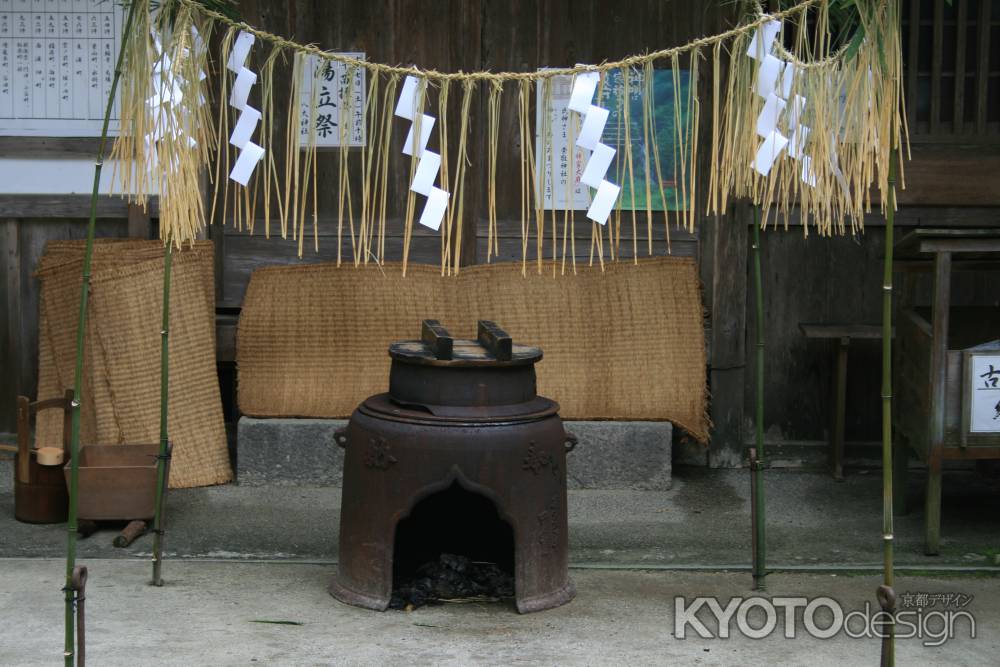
459,35
22,240
949,183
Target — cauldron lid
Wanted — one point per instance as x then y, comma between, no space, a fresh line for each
493,347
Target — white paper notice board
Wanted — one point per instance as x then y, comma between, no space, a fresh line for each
982,392
57,60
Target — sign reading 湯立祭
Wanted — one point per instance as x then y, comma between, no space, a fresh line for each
57,61
339,100
560,165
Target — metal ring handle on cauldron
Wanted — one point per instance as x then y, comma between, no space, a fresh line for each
571,441
340,437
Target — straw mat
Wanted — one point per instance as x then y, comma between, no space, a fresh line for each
625,344
119,387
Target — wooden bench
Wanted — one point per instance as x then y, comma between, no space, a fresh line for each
842,333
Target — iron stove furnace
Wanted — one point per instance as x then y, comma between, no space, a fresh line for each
457,474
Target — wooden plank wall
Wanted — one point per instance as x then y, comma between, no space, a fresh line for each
22,241
839,280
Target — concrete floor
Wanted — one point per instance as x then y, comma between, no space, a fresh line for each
702,522
210,613
240,554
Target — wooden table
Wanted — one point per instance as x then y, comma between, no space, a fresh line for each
842,333
928,370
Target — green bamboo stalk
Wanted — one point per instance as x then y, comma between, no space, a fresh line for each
74,445
161,461
757,460
888,646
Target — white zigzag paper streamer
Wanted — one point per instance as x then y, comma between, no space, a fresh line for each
591,129
429,162
775,79
250,153
167,94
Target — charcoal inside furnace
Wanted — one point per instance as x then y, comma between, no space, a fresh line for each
453,578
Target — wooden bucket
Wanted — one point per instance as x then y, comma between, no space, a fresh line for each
117,482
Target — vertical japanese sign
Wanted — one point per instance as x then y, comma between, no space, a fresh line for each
57,59
561,163
563,176
339,100
984,380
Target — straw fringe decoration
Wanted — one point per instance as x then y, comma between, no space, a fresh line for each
850,111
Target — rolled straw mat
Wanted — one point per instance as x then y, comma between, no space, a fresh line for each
122,351
625,344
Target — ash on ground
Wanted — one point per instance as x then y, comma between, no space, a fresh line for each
453,578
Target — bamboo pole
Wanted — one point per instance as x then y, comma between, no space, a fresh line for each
886,594
164,455
757,454
74,444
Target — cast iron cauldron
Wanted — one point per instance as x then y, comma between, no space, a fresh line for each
460,412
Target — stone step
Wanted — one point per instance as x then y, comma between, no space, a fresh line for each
302,452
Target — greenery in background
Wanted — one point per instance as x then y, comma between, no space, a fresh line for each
664,120
848,21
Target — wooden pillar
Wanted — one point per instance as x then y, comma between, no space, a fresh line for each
839,410
140,225
728,335
12,357
939,370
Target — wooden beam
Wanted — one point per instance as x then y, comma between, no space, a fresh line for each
937,55
958,112
983,68
48,147
66,206
912,63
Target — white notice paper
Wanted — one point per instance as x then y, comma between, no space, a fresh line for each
245,126
760,45
598,165
407,104
604,200
57,61
767,75
241,49
767,121
437,204
426,125
584,87
245,163
427,170
559,161
593,127
985,385
768,152
241,88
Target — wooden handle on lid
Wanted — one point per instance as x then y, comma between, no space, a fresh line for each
496,340
437,338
